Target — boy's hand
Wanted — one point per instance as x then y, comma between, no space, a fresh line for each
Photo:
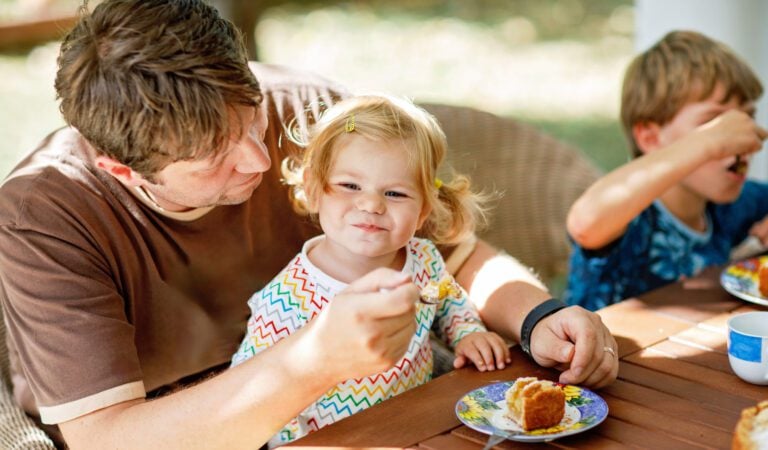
760,231
485,349
733,133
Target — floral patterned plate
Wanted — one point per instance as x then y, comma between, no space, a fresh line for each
484,410
740,279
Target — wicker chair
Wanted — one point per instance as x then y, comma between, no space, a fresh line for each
538,176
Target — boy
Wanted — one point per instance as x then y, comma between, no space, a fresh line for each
683,202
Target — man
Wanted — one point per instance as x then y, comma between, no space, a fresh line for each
130,241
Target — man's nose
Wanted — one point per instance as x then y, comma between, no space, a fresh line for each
370,202
253,157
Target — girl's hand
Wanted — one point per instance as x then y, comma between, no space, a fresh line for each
485,349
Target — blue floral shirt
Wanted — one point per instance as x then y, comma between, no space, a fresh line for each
657,248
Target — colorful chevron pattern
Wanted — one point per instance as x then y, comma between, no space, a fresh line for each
301,291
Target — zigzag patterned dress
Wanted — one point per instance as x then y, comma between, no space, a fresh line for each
301,291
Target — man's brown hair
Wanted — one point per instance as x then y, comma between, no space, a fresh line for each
683,67
151,82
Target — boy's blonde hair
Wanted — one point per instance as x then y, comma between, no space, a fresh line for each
683,67
456,211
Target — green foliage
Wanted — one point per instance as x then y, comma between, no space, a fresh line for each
602,140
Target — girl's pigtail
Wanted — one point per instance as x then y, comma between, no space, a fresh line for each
458,213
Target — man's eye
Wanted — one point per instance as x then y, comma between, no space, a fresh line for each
396,194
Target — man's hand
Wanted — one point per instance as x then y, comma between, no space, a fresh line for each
576,341
367,328
485,349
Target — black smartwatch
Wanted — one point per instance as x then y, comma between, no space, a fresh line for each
543,310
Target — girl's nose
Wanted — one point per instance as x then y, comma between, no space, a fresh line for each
371,203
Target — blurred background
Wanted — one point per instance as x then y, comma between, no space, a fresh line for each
555,63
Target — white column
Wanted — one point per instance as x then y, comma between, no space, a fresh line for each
740,24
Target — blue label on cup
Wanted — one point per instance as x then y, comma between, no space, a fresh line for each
745,347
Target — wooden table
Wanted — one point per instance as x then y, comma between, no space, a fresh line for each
675,388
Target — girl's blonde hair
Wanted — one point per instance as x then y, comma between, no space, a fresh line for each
456,211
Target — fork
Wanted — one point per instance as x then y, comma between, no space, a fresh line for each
498,436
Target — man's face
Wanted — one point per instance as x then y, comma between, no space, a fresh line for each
227,179
712,181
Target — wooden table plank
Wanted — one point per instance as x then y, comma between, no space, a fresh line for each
479,439
448,442
636,327
694,299
675,406
636,436
704,336
718,381
651,417
685,389
691,354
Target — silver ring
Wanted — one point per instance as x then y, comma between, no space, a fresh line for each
609,350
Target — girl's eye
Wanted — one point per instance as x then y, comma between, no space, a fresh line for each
350,186
395,194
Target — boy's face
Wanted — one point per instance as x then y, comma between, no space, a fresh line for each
713,181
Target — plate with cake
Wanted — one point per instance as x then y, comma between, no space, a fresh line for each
531,410
747,279
752,429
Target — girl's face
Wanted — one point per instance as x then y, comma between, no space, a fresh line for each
373,204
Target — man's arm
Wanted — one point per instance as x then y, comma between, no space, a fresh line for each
365,330
572,339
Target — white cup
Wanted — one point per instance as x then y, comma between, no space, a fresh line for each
748,346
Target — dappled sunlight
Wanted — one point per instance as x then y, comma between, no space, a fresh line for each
495,273
498,67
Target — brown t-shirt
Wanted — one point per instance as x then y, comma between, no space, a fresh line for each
105,299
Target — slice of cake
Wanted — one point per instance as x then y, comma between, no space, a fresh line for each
435,291
762,279
752,429
535,403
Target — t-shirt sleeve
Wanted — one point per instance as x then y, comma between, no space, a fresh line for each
277,311
455,315
68,325
751,207
600,277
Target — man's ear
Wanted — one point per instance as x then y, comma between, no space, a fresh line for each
646,136
123,173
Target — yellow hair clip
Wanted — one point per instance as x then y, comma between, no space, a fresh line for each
350,125
438,183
